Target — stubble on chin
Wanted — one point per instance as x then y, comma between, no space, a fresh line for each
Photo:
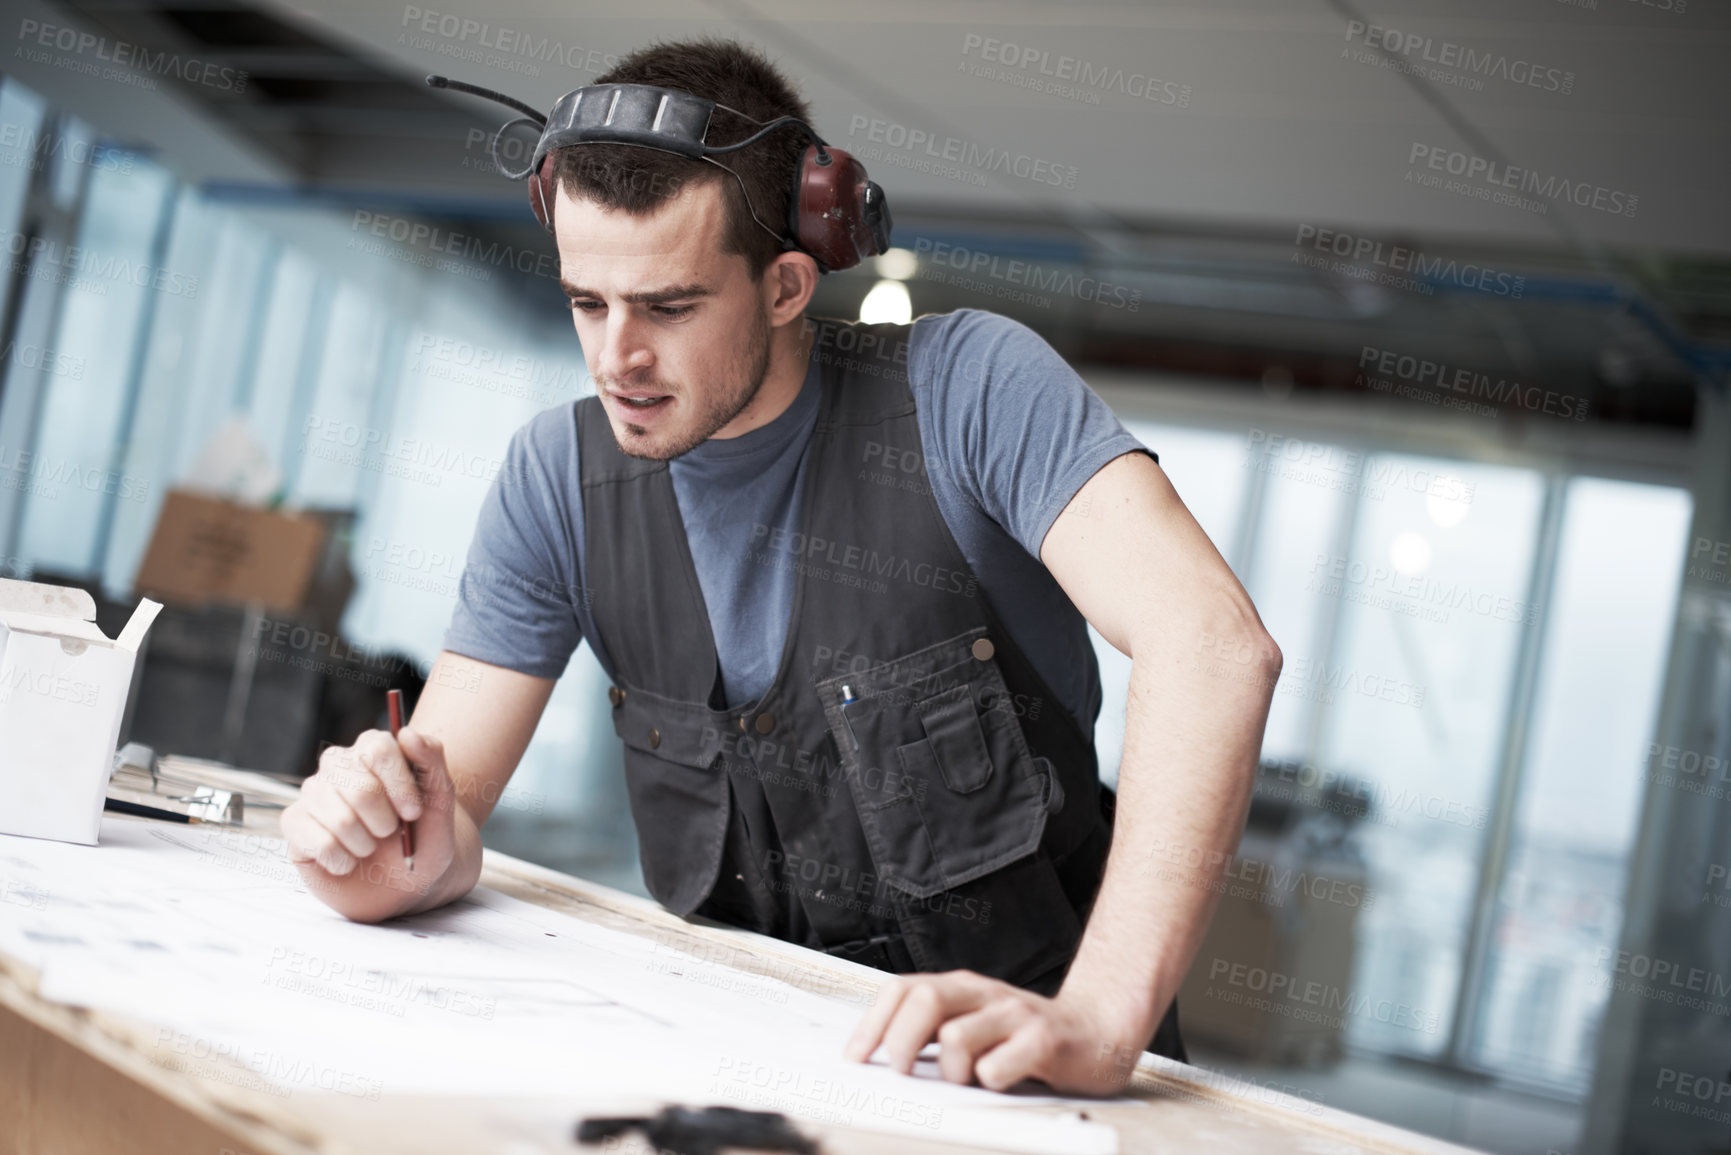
749,370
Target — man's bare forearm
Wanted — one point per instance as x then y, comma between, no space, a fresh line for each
1192,736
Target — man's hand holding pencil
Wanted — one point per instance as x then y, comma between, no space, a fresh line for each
351,827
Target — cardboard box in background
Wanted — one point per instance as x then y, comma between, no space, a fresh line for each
207,549
63,688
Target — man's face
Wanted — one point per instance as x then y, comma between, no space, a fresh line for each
676,333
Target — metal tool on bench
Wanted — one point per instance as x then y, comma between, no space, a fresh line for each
138,787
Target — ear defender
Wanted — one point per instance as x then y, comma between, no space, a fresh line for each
835,215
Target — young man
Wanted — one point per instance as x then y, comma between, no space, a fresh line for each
840,576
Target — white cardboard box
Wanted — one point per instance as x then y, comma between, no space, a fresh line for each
63,689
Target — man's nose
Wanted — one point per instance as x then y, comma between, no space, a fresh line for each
625,348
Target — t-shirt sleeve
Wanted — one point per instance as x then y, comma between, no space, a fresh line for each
516,602
1018,430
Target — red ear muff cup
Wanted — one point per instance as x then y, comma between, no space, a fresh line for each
829,211
541,190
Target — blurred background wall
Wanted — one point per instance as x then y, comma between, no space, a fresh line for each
1424,307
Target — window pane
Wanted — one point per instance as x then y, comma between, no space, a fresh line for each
155,454
217,357
22,146
1609,630
337,440
1432,604
84,396
280,353
1301,516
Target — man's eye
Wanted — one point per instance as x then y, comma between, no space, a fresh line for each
672,312
586,306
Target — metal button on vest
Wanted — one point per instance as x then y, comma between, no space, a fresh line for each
742,722
654,738
765,723
615,695
983,649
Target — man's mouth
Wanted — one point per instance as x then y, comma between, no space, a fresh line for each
641,402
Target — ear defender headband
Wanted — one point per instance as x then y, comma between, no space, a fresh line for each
834,214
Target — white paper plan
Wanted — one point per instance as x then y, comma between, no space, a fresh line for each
213,938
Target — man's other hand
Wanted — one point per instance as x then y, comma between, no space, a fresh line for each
997,1035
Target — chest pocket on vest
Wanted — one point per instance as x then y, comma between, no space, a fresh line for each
942,777
678,793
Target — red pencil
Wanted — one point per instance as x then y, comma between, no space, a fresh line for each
394,700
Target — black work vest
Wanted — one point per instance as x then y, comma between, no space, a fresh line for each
934,805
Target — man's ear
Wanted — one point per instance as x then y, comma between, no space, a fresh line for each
788,284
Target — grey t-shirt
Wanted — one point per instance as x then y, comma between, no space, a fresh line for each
1009,433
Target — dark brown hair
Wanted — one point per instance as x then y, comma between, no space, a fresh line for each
641,180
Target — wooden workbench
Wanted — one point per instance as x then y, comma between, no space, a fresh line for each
78,1082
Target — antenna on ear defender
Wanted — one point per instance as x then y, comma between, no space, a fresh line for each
836,215
436,81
